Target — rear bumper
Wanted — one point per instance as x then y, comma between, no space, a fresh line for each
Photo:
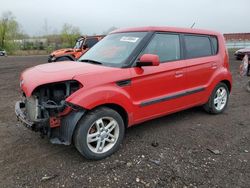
21,116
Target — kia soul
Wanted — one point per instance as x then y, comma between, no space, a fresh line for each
131,76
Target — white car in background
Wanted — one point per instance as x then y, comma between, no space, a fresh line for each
3,53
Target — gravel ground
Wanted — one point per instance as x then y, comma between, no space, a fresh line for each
185,149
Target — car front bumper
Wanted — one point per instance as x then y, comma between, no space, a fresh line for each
21,115
58,135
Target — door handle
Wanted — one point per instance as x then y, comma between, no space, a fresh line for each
214,65
179,74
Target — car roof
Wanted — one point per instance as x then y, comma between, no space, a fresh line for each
166,29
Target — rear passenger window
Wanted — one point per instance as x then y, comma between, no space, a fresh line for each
215,44
197,46
166,46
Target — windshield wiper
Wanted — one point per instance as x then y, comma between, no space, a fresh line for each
91,61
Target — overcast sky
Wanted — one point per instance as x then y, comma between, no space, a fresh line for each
96,16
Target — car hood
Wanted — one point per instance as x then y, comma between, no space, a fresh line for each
57,72
62,51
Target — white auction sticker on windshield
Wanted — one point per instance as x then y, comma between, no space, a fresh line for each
129,39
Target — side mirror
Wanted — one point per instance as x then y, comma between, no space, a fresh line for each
148,60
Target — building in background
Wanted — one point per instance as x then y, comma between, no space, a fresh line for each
237,40
32,43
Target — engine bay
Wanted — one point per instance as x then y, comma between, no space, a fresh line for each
49,100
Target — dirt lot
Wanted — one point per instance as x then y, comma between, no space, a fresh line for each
172,151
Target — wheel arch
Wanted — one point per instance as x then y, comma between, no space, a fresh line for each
118,108
228,84
70,57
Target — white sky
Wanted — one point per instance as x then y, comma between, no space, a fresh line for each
96,16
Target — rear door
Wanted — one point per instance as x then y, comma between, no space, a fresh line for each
201,64
157,90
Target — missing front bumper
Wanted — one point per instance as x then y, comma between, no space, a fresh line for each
58,135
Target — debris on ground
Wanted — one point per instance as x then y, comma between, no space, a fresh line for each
46,178
214,151
157,162
155,144
129,164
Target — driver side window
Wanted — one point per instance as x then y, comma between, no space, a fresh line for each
166,46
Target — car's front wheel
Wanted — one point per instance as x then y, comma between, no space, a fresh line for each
99,133
218,100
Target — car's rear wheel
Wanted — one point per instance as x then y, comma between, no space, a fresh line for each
218,100
99,133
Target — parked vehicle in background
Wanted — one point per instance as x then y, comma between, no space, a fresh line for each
3,52
131,76
83,44
245,70
239,54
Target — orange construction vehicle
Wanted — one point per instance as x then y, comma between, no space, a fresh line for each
83,44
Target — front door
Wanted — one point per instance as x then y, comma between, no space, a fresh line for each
157,90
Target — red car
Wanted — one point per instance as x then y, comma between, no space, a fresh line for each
130,76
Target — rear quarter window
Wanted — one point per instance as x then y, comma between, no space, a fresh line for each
214,41
197,46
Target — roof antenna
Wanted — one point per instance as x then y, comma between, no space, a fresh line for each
192,25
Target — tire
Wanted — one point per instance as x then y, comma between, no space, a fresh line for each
214,106
101,145
63,59
248,86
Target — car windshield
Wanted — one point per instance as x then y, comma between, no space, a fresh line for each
78,44
114,49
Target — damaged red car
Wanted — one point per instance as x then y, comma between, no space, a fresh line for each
131,76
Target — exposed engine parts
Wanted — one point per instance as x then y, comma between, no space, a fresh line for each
47,103
50,98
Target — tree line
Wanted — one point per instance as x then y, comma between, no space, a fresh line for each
12,38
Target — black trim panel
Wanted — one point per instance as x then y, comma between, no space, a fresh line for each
169,97
123,83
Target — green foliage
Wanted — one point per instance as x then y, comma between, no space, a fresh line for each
9,30
12,39
69,34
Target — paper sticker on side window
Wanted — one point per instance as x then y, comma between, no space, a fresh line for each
129,39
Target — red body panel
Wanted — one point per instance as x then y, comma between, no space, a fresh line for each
168,29
149,83
57,72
